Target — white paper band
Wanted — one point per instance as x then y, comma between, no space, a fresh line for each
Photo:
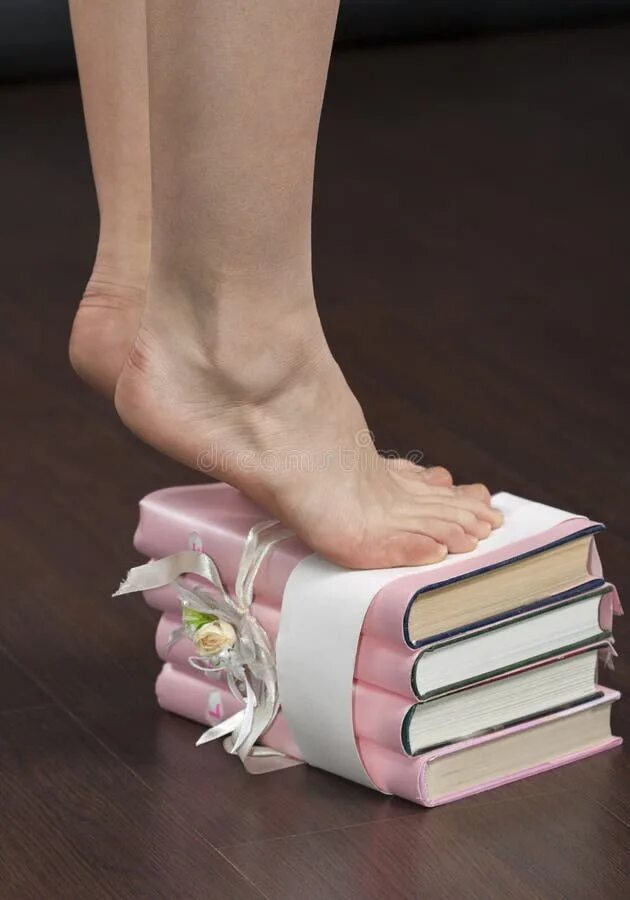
322,614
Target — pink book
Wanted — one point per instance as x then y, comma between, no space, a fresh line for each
221,518
441,775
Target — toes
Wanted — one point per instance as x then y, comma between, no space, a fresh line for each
408,548
434,475
451,534
398,548
421,486
481,510
477,491
381,549
438,475
471,520
463,521
474,498
483,529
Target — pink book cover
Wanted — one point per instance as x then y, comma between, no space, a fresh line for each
222,517
207,702
378,714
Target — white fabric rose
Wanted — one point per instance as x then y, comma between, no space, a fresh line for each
214,637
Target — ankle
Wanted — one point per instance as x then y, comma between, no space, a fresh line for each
107,291
215,294
121,269
233,322
249,348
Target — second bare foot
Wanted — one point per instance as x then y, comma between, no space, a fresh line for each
103,332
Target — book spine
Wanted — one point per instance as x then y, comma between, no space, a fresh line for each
385,665
164,529
268,616
179,693
406,781
378,715
207,703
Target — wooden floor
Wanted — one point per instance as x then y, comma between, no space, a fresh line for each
471,243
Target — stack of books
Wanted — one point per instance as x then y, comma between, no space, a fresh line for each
478,673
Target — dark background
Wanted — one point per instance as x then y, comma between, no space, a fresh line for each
35,37
471,254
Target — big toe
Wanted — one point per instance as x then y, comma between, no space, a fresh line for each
399,548
476,498
405,548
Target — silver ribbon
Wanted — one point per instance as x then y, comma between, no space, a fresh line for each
250,664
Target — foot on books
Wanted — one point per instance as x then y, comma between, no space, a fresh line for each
267,410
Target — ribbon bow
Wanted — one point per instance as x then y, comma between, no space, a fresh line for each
249,664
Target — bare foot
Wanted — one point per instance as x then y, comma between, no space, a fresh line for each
269,411
103,334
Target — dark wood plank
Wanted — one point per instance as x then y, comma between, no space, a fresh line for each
487,850
96,657
76,823
17,690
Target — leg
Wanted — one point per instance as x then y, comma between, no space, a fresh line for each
230,370
110,41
